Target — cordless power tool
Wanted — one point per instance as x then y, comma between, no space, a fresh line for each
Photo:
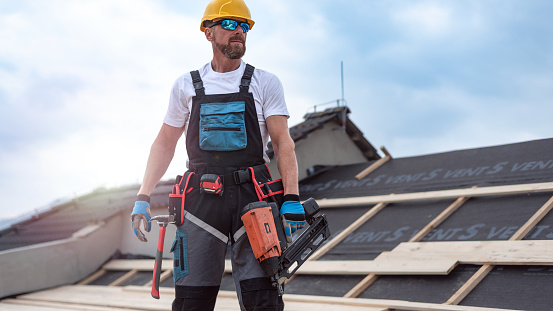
265,231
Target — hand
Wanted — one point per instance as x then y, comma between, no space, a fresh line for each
293,218
141,214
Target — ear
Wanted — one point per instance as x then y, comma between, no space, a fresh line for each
208,34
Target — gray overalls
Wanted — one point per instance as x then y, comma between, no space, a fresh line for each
223,138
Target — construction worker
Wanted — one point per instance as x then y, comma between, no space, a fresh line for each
227,110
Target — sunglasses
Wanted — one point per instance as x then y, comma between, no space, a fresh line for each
230,24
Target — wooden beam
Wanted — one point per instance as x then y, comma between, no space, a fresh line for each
341,303
361,286
441,266
437,195
124,278
439,219
375,165
92,277
342,235
536,218
527,252
138,264
470,285
485,269
164,276
371,278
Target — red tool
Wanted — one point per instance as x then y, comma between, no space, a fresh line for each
211,183
163,221
265,231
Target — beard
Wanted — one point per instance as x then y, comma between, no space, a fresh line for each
231,51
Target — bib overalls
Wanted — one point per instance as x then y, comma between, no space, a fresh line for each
223,138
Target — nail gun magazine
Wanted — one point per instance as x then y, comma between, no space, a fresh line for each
265,232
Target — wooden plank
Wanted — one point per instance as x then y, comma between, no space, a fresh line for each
138,297
384,303
124,278
375,165
439,219
136,264
470,285
527,252
383,267
361,286
344,304
485,269
342,235
533,221
371,278
438,195
101,296
92,277
32,305
162,277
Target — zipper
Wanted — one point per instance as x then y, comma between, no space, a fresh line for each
181,254
235,129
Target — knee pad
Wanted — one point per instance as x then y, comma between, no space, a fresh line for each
195,298
259,294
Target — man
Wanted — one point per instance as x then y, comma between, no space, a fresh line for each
228,111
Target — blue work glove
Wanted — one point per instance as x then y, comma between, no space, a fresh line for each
293,215
141,214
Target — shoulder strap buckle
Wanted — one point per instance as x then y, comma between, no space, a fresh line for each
247,78
197,82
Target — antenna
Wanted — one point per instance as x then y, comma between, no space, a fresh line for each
344,115
342,72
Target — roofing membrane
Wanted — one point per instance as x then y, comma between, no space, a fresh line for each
518,285
527,162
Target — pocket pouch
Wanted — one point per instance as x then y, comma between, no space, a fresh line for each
180,256
222,126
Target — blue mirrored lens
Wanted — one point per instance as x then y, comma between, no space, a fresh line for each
229,24
245,26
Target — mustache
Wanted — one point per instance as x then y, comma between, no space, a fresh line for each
238,38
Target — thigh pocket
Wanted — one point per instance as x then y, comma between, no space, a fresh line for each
180,255
222,126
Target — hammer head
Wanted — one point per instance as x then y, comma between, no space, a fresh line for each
163,219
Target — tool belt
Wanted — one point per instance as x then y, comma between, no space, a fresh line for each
270,191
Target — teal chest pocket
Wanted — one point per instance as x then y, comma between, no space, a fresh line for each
222,126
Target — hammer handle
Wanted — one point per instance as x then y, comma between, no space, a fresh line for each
159,259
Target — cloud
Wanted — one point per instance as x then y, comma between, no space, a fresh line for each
85,84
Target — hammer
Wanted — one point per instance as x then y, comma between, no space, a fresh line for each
163,221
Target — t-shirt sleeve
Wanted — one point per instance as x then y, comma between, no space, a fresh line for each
178,111
274,97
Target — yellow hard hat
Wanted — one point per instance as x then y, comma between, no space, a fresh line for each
226,9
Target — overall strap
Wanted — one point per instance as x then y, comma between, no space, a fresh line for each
198,83
247,78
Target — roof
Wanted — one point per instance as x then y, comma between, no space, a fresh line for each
447,231
62,220
338,115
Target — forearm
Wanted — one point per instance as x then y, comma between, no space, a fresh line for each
158,162
287,166
161,154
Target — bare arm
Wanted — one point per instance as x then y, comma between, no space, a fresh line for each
283,145
161,154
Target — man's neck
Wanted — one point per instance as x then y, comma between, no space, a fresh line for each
225,64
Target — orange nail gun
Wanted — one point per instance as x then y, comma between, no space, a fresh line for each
265,232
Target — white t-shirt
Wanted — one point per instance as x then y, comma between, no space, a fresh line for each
266,89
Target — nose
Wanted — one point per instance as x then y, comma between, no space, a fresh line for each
239,30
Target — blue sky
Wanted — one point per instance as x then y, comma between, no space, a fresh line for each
84,85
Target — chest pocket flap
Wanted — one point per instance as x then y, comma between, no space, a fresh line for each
222,126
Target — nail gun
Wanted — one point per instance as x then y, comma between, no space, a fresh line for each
265,232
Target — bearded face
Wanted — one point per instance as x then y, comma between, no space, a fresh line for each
230,49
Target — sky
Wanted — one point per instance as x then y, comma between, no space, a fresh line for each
84,84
